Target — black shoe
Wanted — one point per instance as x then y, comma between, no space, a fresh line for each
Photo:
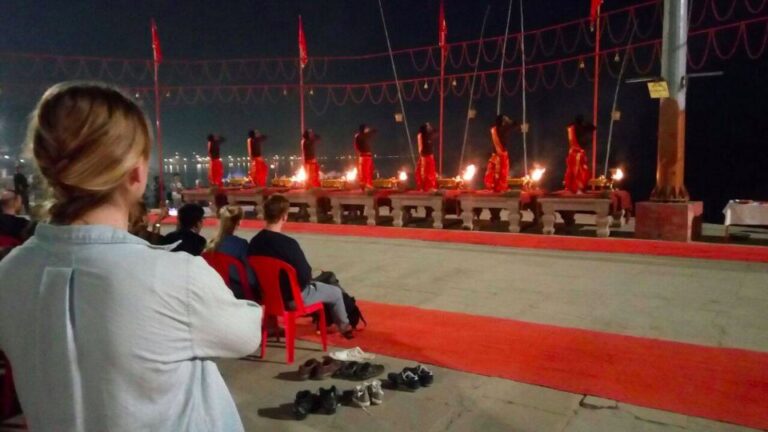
426,377
329,400
304,404
405,379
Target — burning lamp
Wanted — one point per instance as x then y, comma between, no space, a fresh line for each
300,177
402,176
398,117
616,115
472,113
537,174
351,175
524,127
469,173
617,174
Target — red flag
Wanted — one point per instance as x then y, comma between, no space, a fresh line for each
303,56
156,44
594,10
443,26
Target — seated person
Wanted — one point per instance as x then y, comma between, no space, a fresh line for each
140,224
270,242
228,243
12,225
190,222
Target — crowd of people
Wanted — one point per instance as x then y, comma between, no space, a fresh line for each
113,325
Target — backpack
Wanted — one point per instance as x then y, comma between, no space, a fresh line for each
353,311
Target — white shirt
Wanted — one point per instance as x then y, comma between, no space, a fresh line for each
107,333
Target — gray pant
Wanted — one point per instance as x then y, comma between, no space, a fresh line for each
330,294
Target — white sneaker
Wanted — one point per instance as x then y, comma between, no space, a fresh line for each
360,396
352,354
375,392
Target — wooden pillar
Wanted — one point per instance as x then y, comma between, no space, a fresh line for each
670,166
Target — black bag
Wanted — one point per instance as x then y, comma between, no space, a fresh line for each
353,312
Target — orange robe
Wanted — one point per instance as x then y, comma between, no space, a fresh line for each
576,168
497,170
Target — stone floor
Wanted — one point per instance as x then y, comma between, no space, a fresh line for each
704,302
713,303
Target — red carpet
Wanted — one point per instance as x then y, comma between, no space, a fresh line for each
729,385
529,241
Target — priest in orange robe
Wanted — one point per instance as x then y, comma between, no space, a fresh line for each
309,143
577,171
497,171
426,175
215,167
258,166
362,142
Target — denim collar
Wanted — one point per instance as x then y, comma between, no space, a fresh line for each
90,234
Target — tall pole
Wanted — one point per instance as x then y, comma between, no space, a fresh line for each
159,137
503,58
397,83
472,86
595,91
442,106
524,91
301,95
616,100
670,165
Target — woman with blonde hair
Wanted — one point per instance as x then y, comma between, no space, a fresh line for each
228,243
105,331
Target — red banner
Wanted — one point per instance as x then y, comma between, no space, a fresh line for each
303,56
156,44
443,26
594,10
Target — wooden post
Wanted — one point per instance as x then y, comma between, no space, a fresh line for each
670,166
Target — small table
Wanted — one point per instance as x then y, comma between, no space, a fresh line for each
340,199
417,199
308,198
197,195
600,206
480,200
253,196
745,212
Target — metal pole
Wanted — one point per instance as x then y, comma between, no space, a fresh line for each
670,165
472,86
442,106
596,92
524,92
503,58
301,95
159,137
397,83
616,100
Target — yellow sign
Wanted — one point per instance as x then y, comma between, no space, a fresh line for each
658,89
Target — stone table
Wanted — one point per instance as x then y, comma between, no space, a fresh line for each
309,198
489,200
601,207
357,198
417,199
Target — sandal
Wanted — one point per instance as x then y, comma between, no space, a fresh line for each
347,370
308,368
405,379
352,354
367,371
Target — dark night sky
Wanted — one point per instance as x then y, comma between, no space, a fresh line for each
727,133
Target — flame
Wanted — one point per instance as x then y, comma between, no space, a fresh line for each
537,174
300,176
402,176
351,175
469,173
618,174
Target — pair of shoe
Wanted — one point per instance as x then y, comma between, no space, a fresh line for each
367,394
307,402
412,378
319,370
358,371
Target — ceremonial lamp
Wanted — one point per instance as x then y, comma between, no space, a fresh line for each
603,183
460,181
398,182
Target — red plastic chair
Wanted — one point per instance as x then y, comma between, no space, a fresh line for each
222,263
268,272
8,242
7,389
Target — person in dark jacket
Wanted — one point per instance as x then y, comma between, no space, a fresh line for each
271,242
190,222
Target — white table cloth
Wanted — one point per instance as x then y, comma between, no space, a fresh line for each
752,213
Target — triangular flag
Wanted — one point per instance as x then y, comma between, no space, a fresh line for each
303,56
594,10
156,44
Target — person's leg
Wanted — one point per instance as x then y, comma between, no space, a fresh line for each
324,293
